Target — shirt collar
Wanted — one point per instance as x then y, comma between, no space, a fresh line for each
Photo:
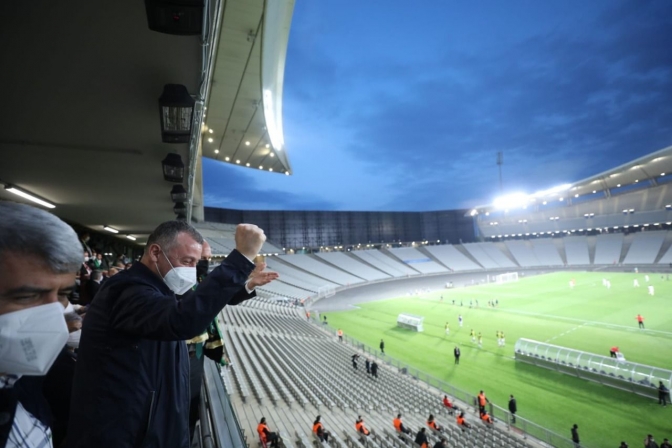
140,270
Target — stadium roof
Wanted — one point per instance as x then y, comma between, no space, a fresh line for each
81,82
647,169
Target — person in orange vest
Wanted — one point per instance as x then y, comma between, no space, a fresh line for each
486,418
359,426
308,315
421,438
340,335
462,422
613,351
318,430
432,423
399,426
449,404
482,401
265,434
640,321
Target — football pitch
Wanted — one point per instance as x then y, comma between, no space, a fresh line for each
588,317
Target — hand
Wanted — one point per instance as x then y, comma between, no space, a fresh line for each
249,239
260,278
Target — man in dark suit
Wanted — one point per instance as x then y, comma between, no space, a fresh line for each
131,383
93,285
513,408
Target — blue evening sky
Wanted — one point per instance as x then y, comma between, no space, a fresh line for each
402,106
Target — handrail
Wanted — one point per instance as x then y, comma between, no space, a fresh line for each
226,430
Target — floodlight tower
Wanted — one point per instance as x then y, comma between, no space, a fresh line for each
500,162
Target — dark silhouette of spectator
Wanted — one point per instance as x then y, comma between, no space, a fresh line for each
575,435
663,394
421,438
513,408
374,369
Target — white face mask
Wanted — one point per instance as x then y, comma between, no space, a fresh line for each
69,309
179,279
31,339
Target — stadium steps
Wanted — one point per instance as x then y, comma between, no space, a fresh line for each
507,253
560,246
467,254
591,241
663,255
429,255
627,242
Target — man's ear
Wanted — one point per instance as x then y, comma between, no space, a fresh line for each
154,252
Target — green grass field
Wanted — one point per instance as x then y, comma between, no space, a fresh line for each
543,308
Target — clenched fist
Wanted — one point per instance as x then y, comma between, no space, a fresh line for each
249,239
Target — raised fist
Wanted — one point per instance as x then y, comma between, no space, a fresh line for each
249,239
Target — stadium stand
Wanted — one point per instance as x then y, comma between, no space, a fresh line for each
645,247
296,277
269,348
523,253
349,264
316,267
489,255
222,240
376,258
419,261
546,252
608,248
452,258
576,250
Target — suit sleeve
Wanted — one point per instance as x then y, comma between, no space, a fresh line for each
145,312
241,296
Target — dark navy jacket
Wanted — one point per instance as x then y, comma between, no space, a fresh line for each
131,386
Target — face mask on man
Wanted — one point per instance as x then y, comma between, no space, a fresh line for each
179,279
202,268
31,339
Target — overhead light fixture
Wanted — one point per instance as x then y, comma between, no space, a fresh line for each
270,169
227,158
216,151
210,140
180,17
131,237
210,131
247,164
272,155
29,196
662,174
110,229
267,145
286,173
176,108
173,168
238,161
261,167
178,193
180,208
247,143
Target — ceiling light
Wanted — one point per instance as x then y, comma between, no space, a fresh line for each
267,145
227,158
247,143
176,108
110,229
270,169
272,155
247,164
178,193
562,199
636,180
618,185
210,131
216,151
131,237
286,173
576,195
238,161
173,168
29,196
210,140
261,167
594,191
662,174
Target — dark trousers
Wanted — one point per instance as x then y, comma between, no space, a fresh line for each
612,353
663,397
457,360
513,417
641,325
272,438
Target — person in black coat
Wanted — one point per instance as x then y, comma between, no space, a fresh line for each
513,408
374,369
382,346
131,383
575,435
367,365
457,353
421,438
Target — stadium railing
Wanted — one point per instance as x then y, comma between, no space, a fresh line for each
219,426
523,427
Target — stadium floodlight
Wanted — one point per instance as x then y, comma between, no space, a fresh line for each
552,191
173,168
178,193
474,212
509,201
29,196
176,109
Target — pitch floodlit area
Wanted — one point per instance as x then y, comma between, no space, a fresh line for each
588,317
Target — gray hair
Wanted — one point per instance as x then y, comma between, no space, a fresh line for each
97,275
31,231
166,234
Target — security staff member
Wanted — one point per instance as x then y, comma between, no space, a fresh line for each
432,424
359,426
265,434
319,431
482,401
399,426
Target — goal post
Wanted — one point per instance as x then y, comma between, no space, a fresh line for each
506,278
